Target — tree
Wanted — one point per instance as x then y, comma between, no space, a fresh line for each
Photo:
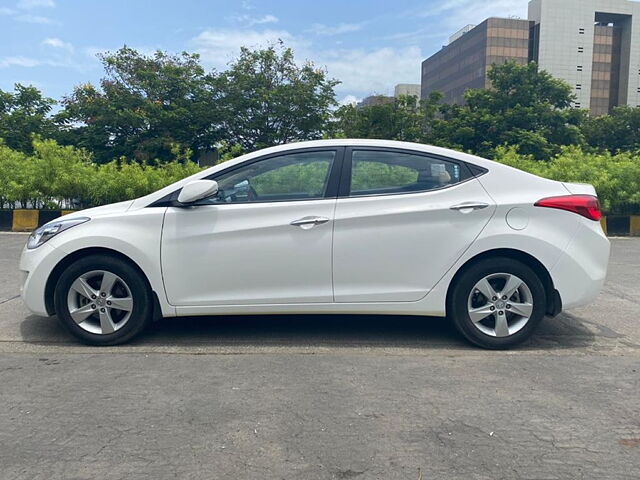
146,105
23,114
403,119
524,107
266,99
619,131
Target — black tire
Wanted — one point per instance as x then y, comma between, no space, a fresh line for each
141,312
465,283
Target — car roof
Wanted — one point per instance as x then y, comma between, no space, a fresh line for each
362,142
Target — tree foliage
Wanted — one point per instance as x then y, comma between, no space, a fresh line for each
405,119
23,114
266,99
525,107
618,132
144,106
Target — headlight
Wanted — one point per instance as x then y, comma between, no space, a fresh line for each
51,229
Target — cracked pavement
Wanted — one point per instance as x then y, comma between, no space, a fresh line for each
315,397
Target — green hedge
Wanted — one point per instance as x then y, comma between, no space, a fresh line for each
54,176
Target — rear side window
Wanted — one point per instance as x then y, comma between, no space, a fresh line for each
385,172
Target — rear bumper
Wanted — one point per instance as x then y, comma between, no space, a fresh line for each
581,271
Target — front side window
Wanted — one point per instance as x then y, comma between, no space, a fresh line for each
383,172
296,176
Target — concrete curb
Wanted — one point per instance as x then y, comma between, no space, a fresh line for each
26,220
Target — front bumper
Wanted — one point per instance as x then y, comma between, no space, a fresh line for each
35,267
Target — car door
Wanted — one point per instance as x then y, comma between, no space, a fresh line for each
265,238
402,220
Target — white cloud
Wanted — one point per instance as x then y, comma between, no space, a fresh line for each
29,4
28,17
321,29
361,71
458,13
57,43
56,61
449,16
350,100
35,19
19,61
250,21
219,47
364,72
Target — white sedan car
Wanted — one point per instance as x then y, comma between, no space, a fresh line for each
337,226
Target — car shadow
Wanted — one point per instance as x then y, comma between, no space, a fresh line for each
347,331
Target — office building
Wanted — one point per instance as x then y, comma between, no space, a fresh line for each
463,64
412,89
593,45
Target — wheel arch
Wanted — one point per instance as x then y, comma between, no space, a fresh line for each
554,302
52,281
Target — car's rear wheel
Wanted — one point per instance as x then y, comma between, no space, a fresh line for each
497,303
103,300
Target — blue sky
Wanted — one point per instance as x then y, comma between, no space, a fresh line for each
370,45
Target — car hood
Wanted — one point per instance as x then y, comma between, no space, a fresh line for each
110,209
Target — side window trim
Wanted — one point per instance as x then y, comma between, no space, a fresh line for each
345,180
332,184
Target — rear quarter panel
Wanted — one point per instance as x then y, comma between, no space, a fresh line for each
516,224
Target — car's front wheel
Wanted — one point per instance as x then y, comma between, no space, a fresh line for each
103,300
497,303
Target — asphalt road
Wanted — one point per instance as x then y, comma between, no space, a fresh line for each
324,397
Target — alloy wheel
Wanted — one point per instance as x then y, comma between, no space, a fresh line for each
100,302
500,305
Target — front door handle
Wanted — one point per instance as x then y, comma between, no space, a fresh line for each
309,222
470,206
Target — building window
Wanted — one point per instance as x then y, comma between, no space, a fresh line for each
580,49
577,104
579,68
581,31
579,86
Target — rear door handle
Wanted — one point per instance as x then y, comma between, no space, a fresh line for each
469,206
309,222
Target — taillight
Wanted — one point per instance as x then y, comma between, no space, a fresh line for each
586,205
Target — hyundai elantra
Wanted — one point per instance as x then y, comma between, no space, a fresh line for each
332,226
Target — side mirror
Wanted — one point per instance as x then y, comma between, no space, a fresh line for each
197,190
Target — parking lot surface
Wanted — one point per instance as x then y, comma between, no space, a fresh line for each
324,396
